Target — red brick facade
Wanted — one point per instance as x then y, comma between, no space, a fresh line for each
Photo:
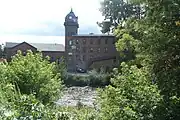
23,47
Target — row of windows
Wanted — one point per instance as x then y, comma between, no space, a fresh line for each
84,50
84,58
91,41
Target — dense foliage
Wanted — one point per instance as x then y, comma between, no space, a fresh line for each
116,12
132,97
21,97
28,86
154,40
33,74
145,87
92,78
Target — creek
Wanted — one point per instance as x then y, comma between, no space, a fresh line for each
74,95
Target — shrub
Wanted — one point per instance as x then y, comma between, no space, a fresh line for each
133,96
33,74
27,107
93,79
98,79
7,92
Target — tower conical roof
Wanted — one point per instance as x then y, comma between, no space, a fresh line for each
71,16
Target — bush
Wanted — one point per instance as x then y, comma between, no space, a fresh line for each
93,79
14,105
133,96
33,74
7,92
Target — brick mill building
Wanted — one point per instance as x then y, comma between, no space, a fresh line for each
81,52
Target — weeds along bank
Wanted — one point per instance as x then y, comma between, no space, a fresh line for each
92,79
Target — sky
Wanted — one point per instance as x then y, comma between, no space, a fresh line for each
41,21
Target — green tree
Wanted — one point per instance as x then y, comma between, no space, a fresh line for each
8,94
33,74
155,41
132,97
117,12
160,39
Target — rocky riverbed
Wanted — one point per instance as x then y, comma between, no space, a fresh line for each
75,95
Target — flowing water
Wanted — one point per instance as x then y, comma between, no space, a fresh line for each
74,95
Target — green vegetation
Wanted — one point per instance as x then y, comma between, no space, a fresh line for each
148,86
92,78
133,96
34,75
29,86
145,87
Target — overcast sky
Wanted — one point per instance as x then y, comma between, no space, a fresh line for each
42,20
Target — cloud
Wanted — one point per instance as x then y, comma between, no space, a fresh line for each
46,17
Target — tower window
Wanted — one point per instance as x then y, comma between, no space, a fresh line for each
72,33
69,34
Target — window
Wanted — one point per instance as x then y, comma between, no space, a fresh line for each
84,41
114,60
105,50
72,33
113,41
107,69
77,57
106,41
91,41
24,53
99,41
77,41
70,42
91,49
91,56
84,49
69,58
98,50
52,59
84,58
77,49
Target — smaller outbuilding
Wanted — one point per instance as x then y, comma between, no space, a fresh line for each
54,51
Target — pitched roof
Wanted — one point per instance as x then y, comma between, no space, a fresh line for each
40,46
11,44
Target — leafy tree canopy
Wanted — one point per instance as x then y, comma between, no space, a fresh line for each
116,12
33,74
